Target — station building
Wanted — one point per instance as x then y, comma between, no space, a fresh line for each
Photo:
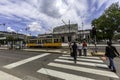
68,33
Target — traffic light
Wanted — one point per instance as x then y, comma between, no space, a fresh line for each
94,31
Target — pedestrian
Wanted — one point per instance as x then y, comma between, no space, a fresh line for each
84,45
80,49
74,48
111,53
70,46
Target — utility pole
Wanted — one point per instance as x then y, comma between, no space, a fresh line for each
69,37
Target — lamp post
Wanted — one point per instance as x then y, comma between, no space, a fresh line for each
83,31
4,30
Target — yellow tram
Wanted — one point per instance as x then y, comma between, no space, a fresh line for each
44,42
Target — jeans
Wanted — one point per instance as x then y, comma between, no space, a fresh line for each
85,52
80,52
75,59
111,63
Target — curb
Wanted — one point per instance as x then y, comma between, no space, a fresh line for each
3,48
51,51
97,54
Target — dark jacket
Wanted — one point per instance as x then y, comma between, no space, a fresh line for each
74,47
111,51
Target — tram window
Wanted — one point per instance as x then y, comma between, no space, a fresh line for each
48,40
56,40
33,41
39,41
43,41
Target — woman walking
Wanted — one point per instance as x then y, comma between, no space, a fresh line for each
84,45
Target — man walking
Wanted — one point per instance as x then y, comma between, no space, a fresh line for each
111,53
74,47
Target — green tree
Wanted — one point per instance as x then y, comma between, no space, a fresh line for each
109,21
9,38
117,36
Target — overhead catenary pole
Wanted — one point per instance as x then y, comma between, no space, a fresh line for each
69,29
69,38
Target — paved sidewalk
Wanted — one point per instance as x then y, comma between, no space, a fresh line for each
98,54
66,51
61,50
3,48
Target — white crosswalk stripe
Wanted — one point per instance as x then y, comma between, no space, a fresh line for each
61,62
93,60
62,75
83,56
6,76
83,63
87,70
21,62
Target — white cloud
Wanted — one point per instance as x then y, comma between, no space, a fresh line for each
51,12
9,29
34,26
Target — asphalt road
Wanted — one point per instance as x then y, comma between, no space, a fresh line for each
22,65
101,48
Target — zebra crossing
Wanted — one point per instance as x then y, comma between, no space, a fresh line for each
63,67
62,62
6,76
13,65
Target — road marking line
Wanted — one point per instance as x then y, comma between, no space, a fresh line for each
87,70
83,63
83,56
90,60
18,63
62,75
6,76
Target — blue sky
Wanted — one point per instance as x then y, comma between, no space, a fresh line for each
41,16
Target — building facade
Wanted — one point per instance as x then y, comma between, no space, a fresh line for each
6,37
68,33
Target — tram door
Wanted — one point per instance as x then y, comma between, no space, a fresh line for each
69,38
63,39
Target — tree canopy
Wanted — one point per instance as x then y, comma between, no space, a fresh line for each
108,22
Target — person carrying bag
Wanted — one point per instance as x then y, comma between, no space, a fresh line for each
111,52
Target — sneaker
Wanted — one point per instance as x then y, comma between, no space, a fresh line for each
109,67
114,71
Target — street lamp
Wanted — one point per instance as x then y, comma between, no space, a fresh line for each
4,30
